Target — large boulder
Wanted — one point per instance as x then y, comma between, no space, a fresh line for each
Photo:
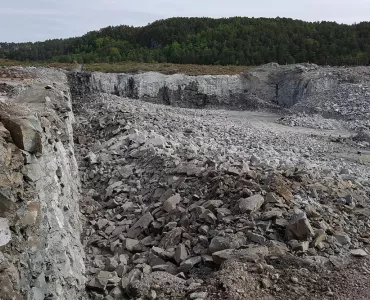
247,255
251,204
220,243
25,132
300,226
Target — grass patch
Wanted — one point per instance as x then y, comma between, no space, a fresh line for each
166,68
132,67
9,63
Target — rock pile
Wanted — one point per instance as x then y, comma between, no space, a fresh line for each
311,121
170,196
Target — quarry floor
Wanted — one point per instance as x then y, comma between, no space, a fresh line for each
268,121
189,170
154,141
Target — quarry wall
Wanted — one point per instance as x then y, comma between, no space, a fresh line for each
41,256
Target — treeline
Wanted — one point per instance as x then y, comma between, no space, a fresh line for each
231,41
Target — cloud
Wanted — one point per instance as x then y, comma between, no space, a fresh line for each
27,12
26,20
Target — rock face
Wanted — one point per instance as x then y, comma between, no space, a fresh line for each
42,254
25,133
304,88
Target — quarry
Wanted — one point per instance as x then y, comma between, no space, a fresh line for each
152,186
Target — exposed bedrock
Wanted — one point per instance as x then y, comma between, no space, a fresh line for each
332,92
41,256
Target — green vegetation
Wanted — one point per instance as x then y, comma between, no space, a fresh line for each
206,41
134,67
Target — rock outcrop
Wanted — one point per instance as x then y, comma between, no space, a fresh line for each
41,256
332,92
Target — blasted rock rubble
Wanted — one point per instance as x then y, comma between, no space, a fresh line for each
180,203
200,204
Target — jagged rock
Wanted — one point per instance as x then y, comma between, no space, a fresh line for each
104,277
203,229
6,203
168,267
116,293
33,172
255,159
159,142
277,248
213,204
273,198
180,253
284,192
299,246
188,264
171,203
95,284
111,264
272,214
121,269
281,222
169,226
189,169
222,212
102,223
208,217
359,253
300,226
134,274
198,295
256,238
342,238
250,204
132,245
140,225
25,132
208,260
249,254
171,239
166,255
155,260
219,243
91,158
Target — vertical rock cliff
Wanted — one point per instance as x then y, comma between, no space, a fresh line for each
41,256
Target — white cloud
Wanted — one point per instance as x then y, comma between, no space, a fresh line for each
27,20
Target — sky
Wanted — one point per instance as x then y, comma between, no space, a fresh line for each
38,20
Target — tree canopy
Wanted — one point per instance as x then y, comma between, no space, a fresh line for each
227,41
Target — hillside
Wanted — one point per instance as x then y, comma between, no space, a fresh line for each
206,41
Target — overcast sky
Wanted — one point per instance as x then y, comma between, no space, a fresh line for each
35,20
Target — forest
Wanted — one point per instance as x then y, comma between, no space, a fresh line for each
207,41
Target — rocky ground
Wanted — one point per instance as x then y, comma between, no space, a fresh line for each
180,203
202,204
